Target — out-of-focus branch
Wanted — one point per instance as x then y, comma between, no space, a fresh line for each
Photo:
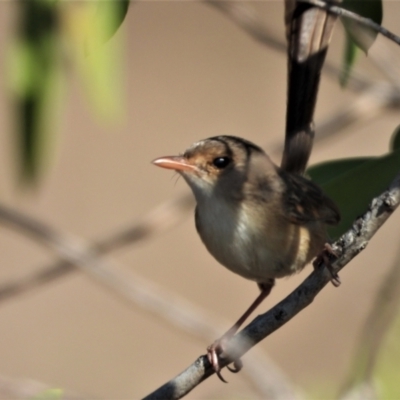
387,61
371,103
159,220
245,16
347,247
264,375
341,12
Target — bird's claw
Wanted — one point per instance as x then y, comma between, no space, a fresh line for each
213,354
325,258
237,366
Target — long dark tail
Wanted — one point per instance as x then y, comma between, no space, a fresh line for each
309,30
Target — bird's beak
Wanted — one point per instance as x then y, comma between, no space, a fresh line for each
178,163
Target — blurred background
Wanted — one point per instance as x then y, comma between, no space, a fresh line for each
173,73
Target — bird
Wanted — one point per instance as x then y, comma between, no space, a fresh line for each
256,219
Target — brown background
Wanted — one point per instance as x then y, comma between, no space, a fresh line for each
189,73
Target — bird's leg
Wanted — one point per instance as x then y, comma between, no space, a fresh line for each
325,257
214,351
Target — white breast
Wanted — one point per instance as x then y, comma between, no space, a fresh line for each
232,238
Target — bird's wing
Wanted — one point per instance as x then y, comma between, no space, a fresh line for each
305,201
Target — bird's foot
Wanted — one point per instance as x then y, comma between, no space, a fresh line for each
325,257
214,355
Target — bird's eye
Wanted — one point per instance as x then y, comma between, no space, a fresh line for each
221,162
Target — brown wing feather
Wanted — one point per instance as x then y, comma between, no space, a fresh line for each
306,202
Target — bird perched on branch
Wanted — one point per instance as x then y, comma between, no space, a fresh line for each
256,219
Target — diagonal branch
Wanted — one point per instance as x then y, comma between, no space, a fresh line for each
347,247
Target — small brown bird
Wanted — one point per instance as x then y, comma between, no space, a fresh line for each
256,219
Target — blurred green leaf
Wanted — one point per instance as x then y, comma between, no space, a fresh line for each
324,172
395,139
35,81
50,394
349,58
363,36
353,190
88,26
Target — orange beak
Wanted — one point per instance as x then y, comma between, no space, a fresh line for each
177,163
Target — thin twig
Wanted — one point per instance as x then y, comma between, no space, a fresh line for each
341,12
347,247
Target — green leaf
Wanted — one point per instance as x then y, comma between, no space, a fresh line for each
322,173
395,139
353,190
362,35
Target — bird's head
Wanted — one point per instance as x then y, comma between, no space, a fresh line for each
219,162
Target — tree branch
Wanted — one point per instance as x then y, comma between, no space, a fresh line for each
347,247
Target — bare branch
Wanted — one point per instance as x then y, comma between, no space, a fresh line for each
347,247
341,12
